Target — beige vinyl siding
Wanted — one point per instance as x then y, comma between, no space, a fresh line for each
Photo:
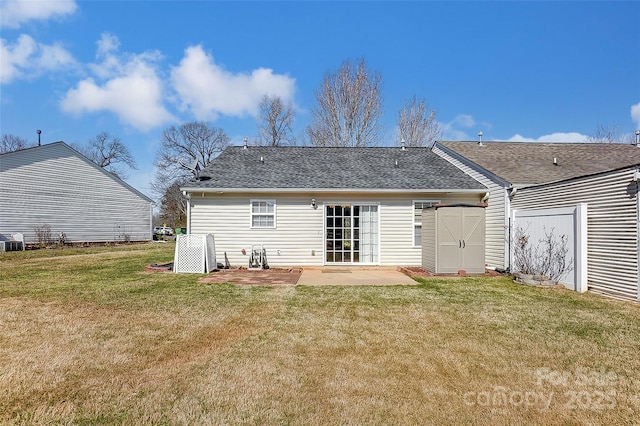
612,226
300,228
54,185
496,215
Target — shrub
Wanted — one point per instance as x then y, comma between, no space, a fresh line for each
548,258
43,235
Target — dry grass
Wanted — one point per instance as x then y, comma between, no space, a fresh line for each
88,338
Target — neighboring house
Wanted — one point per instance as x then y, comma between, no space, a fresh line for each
533,176
313,206
57,186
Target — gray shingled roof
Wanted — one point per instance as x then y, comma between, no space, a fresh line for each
332,168
529,163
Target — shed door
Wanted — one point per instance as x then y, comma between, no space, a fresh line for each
448,240
460,240
473,240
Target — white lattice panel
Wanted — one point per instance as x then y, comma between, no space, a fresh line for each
211,254
190,253
194,254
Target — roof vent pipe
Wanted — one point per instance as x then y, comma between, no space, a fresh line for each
555,161
40,131
245,143
262,159
402,144
396,163
480,134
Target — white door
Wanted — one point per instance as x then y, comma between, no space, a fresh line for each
351,233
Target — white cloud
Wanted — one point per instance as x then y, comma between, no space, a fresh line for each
635,114
451,134
131,88
27,58
553,137
208,90
456,129
463,120
14,13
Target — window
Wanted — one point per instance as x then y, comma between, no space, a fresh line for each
417,219
263,213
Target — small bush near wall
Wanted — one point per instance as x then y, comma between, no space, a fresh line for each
43,235
546,259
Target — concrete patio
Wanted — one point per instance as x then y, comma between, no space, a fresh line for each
354,276
310,276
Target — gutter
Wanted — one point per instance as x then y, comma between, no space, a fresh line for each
330,190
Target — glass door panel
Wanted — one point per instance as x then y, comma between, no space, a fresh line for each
351,234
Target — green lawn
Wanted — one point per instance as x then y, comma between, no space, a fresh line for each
88,337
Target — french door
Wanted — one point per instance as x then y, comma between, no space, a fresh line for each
351,233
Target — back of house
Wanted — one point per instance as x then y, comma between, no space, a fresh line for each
311,206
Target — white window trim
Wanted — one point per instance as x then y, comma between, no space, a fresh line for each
252,214
413,219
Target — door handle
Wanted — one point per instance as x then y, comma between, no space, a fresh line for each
463,244
459,244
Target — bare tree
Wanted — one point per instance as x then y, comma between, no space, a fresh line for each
349,108
173,206
610,134
417,124
10,143
109,153
275,120
184,151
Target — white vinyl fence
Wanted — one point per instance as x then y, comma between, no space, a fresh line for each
570,222
195,254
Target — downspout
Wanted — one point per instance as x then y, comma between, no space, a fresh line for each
509,244
151,221
509,192
188,197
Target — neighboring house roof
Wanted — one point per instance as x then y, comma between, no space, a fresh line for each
35,150
531,163
306,168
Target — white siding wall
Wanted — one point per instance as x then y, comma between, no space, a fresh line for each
53,185
612,226
300,228
496,215
298,231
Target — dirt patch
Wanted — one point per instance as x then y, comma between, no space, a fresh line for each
159,267
243,276
417,271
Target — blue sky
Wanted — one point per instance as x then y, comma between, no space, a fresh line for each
525,71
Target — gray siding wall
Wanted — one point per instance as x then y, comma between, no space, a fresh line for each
53,185
612,226
429,239
496,215
298,238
